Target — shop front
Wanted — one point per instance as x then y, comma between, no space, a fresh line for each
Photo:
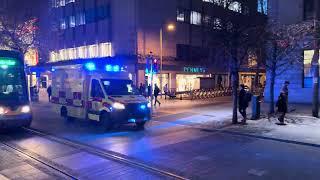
248,79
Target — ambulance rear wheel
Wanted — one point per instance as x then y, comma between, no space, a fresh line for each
64,114
140,125
105,121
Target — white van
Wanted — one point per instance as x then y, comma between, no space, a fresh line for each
103,93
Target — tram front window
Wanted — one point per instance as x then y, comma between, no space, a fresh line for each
13,89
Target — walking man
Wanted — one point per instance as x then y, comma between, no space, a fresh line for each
49,91
156,94
282,107
243,103
166,90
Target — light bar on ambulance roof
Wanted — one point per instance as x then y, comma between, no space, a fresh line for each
90,66
114,68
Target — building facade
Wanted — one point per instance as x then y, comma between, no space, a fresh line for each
299,75
175,32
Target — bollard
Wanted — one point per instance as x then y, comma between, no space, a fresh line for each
255,107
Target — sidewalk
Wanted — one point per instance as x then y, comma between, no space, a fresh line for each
301,126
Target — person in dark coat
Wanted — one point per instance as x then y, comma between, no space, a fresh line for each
156,94
243,103
49,91
149,91
141,89
282,106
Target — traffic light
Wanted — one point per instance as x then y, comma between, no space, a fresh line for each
155,65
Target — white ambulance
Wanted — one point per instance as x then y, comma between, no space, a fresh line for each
98,92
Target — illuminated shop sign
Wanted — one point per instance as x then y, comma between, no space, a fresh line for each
194,69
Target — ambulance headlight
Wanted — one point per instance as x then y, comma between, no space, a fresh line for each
119,106
25,109
149,105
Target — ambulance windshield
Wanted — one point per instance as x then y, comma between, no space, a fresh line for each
119,87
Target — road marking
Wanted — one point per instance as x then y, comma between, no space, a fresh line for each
257,172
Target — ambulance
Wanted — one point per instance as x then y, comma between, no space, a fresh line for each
98,92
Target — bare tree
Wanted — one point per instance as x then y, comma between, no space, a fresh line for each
282,44
315,61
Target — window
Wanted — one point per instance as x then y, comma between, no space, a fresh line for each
105,50
307,59
96,90
72,53
80,19
195,18
72,21
119,87
181,16
207,20
263,6
217,23
54,56
93,51
63,54
63,24
235,6
82,52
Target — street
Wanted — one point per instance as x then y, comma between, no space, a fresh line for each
187,140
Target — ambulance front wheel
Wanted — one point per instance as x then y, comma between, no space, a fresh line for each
105,121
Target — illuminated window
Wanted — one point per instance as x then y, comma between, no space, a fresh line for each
105,50
235,6
31,57
263,6
72,53
82,52
63,24
217,23
81,19
93,51
72,21
181,16
54,56
63,54
308,75
195,18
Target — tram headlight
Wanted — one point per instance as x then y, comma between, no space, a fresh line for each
25,109
117,105
2,110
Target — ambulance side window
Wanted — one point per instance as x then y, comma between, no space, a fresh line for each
96,90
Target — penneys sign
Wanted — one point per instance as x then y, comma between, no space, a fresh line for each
194,69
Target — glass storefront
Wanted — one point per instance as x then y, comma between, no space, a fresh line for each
186,82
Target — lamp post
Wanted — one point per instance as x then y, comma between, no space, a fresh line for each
170,27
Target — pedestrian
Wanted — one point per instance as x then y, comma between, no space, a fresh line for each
156,94
166,91
244,99
149,91
282,107
49,91
141,89
220,82
285,89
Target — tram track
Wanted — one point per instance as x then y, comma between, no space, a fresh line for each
38,159
110,155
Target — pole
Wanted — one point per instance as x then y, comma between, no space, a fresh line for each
161,60
315,62
151,71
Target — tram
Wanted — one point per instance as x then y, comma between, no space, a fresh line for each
15,110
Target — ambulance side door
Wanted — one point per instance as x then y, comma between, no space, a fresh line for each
96,97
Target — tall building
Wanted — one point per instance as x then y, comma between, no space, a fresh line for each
289,12
175,32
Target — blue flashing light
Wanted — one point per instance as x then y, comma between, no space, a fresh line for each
90,66
53,69
108,68
143,107
132,120
116,68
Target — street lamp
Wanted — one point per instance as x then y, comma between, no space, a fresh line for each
170,27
